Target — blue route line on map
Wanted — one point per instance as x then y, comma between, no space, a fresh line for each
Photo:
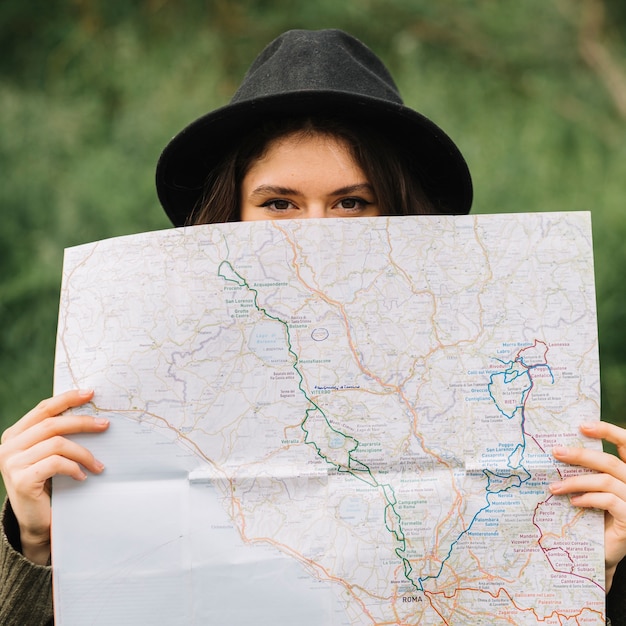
362,472
510,375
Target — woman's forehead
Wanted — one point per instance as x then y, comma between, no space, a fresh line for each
307,153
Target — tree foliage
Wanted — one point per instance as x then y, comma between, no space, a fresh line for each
533,92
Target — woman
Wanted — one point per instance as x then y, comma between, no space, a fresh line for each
317,129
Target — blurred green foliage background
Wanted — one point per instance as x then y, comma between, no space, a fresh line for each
533,92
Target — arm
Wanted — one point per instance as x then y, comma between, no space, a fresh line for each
25,588
605,490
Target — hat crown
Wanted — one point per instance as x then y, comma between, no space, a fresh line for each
318,61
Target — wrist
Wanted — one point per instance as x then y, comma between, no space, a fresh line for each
36,549
609,572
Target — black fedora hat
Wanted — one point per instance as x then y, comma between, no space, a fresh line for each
325,72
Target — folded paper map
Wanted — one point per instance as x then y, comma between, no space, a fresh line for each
331,422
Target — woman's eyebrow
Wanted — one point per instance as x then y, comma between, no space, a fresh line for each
358,188
263,190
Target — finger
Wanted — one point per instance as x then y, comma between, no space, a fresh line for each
54,427
54,447
49,408
592,459
585,483
615,506
610,432
32,479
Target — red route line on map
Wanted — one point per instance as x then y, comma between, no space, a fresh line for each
519,359
521,609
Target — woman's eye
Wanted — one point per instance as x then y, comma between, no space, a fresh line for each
352,203
278,205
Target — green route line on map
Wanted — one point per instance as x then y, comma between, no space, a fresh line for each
354,467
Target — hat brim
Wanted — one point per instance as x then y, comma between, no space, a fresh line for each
189,157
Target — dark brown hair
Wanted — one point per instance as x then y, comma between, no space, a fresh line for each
386,164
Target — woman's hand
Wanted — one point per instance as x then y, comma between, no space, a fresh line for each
32,451
605,490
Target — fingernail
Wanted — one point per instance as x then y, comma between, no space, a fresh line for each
85,392
100,421
559,451
98,465
554,487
